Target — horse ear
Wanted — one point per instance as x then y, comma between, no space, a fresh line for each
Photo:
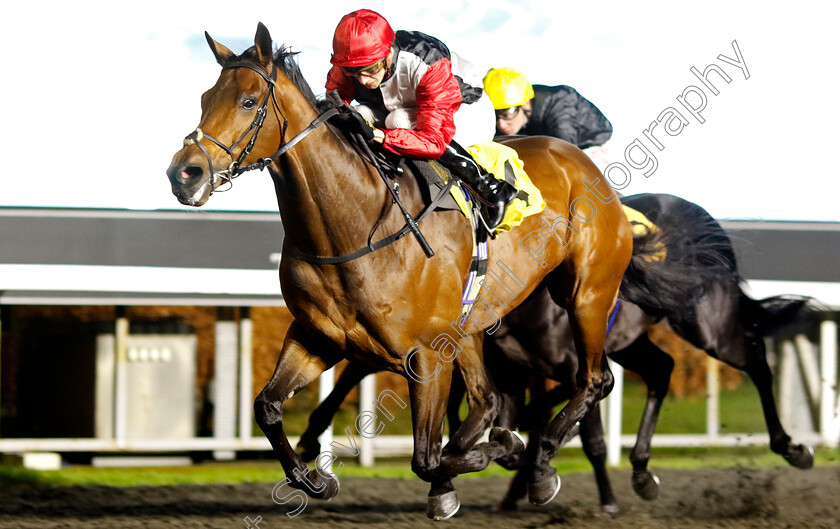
262,41
222,54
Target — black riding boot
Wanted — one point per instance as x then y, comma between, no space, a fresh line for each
495,194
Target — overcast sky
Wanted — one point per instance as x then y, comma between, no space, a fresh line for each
98,96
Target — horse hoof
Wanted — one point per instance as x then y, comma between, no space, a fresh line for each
319,486
611,510
800,456
308,451
333,488
511,440
646,485
444,506
544,491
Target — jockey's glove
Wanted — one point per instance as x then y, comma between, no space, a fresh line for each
355,122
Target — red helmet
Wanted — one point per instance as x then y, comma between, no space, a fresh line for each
361,38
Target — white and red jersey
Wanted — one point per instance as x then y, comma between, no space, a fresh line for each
425,77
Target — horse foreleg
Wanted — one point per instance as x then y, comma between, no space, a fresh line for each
436,465
298,365
429,392
308,446
537,413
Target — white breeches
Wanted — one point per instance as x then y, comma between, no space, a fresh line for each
474,123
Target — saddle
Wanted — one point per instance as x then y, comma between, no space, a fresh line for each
441,191
500,161
432,179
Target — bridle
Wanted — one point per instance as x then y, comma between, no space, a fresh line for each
236,168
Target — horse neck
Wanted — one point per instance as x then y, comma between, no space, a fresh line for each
328,196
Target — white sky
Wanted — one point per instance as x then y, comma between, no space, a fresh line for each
97,96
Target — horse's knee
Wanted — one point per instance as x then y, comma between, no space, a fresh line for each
604,385
488,405
267,413
660,380
597,384
493,403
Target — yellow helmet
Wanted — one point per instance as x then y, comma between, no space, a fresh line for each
507,88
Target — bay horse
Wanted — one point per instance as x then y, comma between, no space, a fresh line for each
396,309
535,338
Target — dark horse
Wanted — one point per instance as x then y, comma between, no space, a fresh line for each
396,309
535,338
725,322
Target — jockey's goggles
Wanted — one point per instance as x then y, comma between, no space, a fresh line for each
507,114
364,71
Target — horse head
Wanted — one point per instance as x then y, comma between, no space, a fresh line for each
234,129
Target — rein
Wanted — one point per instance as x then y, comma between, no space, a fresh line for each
236,168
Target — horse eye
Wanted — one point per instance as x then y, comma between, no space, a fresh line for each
248,104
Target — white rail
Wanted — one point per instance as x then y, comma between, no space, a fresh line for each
819,379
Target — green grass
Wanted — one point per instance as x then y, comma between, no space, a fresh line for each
198,474
740,411
568,461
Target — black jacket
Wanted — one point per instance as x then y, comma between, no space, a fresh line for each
561,112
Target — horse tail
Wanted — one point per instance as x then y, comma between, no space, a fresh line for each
766,316
674,264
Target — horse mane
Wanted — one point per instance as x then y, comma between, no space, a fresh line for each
284,59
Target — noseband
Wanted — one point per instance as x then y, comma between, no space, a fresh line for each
236,168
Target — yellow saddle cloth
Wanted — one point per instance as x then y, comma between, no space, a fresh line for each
503,163
642,226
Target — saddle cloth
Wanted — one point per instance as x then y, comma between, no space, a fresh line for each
641,226
504,164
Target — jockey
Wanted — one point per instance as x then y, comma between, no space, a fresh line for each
419,96
557,111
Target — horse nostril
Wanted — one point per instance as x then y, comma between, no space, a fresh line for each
191,172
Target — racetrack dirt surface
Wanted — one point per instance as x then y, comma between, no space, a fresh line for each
708,498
